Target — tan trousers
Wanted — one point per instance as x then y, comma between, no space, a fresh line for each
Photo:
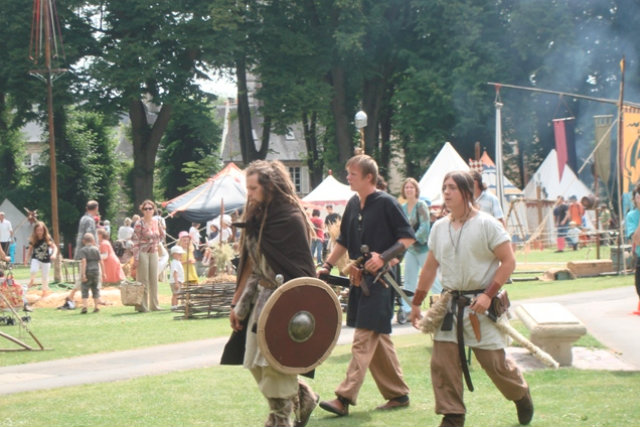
376,352
446,376
275,384
147,274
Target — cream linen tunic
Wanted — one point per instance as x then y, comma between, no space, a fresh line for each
467,263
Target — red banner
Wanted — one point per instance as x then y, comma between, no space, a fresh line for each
561,144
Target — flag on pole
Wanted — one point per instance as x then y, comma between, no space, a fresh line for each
563,130
603,150
631,147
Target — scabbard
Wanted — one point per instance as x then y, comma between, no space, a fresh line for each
475,325
336,280
461,302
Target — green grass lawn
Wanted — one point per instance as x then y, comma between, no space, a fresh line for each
228,396
68,333
549,255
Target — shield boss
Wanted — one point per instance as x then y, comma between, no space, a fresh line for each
299,325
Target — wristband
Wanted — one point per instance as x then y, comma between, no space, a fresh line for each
395,251
327,265
418,297
493,289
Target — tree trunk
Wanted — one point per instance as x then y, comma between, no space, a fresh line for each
146,140
247,143
385,138
344,138
314,158
264,145
371,96
244,112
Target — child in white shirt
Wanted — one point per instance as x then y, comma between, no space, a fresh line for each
573,235
177,274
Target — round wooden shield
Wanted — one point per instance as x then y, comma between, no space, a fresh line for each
299,325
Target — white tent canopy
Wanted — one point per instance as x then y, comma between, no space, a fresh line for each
21,228
548,178
330,190
446,161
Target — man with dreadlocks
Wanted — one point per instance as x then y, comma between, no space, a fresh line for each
275,240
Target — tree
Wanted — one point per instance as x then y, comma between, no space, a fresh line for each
192,139
148,60
238,26
86,166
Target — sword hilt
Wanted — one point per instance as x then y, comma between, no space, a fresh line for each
366,255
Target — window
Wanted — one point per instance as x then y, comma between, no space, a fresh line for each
294,173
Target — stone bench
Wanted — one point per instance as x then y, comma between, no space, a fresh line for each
552,328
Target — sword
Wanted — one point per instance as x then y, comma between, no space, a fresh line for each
387,278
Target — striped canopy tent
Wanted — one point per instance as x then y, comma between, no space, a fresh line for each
205,201
489,178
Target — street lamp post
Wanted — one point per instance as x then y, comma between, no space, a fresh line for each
361,123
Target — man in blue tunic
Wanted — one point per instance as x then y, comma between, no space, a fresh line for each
375,219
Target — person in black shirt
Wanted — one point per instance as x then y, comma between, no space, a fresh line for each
561,218
332,217
371,218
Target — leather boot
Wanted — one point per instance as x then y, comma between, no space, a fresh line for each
452,420
270,421
306,402
281,410
524,407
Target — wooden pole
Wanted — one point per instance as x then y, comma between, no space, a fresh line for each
595,177
539,209
52,139
619,162
570,95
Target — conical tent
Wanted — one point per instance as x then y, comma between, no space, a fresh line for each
548,179
204,202
446,161
330,190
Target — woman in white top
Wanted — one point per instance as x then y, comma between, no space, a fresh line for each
125,231
474,253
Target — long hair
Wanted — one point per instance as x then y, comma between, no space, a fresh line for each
277,187
464,182
45,236
415,185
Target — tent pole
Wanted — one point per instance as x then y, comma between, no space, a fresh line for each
499,179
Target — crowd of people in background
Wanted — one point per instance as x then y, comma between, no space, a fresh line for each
138,250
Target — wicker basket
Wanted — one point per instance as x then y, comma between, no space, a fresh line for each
131,293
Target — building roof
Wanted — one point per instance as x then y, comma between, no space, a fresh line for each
286,148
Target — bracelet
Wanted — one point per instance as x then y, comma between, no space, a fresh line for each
418,297
327,265
493,289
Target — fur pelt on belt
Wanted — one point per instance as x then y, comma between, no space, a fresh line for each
432,319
